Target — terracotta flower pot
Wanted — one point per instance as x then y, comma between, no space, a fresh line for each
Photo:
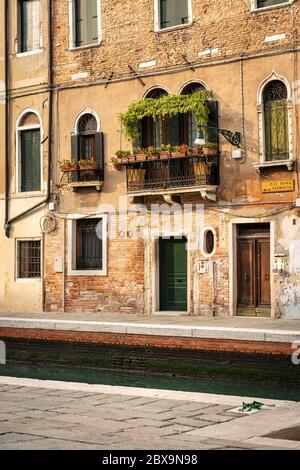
69,168
153,157
195,152
176,154
93,166
141,157
209,152
164,155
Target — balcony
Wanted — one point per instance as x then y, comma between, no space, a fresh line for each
84,178
192,174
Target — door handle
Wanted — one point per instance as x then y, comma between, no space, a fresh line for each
247,277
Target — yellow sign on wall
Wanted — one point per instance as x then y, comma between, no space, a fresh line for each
278,186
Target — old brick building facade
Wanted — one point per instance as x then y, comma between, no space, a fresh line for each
102,59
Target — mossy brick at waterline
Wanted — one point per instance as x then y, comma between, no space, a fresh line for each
214,365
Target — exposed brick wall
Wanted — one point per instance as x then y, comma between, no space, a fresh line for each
122,290
199,344
128,36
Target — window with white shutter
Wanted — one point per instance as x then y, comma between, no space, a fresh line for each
29,25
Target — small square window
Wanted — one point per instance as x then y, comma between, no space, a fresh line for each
173,13
29,259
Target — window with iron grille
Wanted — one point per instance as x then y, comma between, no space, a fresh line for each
276,121
173,13
29,25
29,259
89,249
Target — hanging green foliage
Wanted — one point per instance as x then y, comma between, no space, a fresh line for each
169,105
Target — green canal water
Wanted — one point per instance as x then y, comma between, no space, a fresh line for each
169,382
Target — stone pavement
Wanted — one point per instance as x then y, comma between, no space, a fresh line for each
52,415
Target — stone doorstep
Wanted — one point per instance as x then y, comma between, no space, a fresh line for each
152,329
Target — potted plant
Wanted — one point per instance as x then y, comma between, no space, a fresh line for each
175,152
122,156
152,153
195,151
165,152
139,154
69,165
117,163
184,149
209,150
88,165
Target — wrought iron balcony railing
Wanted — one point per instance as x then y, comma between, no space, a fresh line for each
187,172
84,176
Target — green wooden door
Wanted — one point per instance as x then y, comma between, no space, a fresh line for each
30,160
173,275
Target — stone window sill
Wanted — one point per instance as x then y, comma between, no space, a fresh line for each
254,9
261,165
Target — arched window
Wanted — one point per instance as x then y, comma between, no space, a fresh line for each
188,125
29,153
154,132
276,137
87,128
87,142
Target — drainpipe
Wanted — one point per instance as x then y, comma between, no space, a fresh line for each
8,221
7,103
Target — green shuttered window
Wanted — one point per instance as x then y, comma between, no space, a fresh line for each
86,22
29,25
276,121
30,160
173,13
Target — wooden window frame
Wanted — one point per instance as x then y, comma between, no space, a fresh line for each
284,3
157,19
72,27
72,248
37,50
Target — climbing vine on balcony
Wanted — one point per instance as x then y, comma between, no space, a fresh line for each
170,106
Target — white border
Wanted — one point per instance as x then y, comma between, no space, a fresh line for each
87,110
18,40
284,3
71,246
29,280
72,26
190,82
261,121
156,87
157,27
19,129
203,234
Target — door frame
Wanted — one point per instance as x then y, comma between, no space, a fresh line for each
155,285
232,244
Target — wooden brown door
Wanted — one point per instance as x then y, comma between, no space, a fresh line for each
253,276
